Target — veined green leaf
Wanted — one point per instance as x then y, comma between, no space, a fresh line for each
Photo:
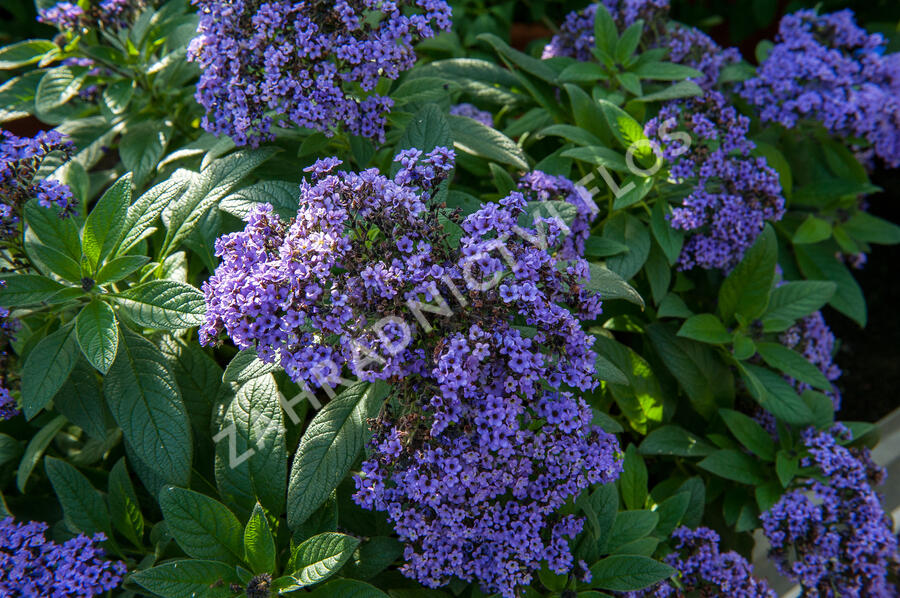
204,528
329,447
98,334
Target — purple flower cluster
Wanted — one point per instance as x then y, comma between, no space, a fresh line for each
34,567
104,15
313,64
731,193
704,571
832,536
813,339
485,416
540,186
479,499
20,158
473,112
688,46
827,69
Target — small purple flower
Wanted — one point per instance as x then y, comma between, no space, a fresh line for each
20,159
831,535
482,116
33,566
825,68
705,571
813,339
485,414
732,194
312,65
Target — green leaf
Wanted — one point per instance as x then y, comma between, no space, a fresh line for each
46,369
35,450
817,262
627,131
612,286
673,306
671,513
629,41
98,334
199,379
420,90
746,289
206,189
588,120
145,210
706,328
624,573
329,447
602,247
583,72
142,146
251,455
630,526
641,400
486,142
633,480
120,267
427,130
601,508
116,96
19,290
797,299
163,304
793,364
81,401
281,195
812,230
750,434
675,440
480,79
666,71
145,402
103,226
628,230
188,577
259,545
530,65
57,233
57,87
775,395
598,155
245,366
682,89
702,374
606,370
320,557
123,504
372,557
51,261
204,528
734,465
84,508
24,53
606,34
872,229
786,468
